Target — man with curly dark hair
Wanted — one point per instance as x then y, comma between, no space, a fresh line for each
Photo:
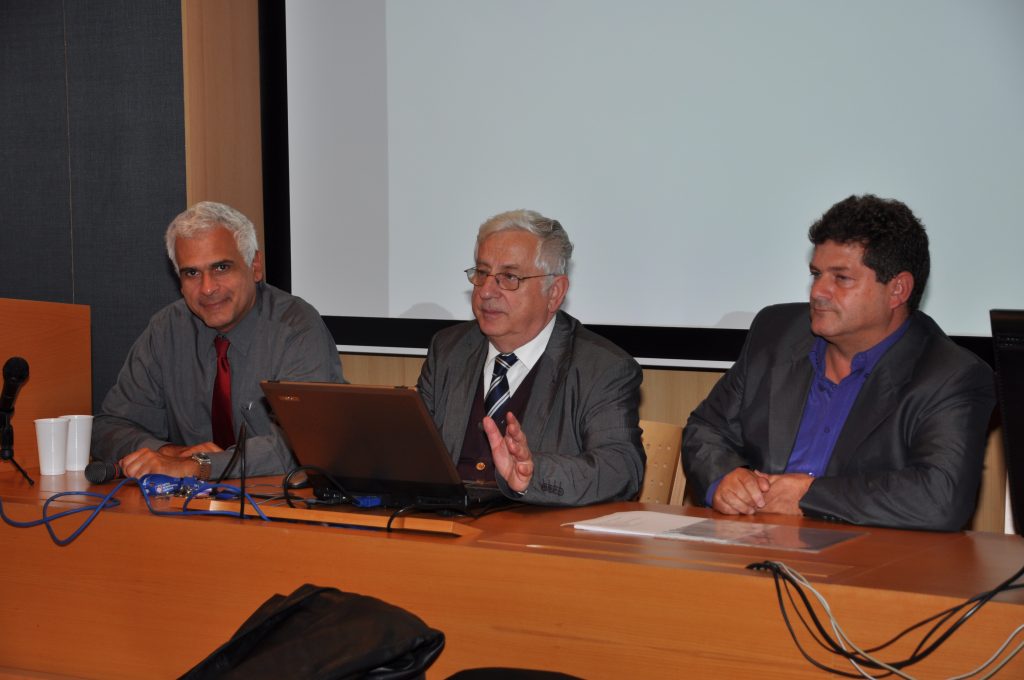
855,407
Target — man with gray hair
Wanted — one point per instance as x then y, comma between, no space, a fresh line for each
192,378
525,396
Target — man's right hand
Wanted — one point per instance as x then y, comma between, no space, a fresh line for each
741,492
172,459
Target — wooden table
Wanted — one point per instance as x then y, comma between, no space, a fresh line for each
144,596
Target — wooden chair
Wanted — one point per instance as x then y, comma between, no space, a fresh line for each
664,481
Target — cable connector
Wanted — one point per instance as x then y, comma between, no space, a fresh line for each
160,486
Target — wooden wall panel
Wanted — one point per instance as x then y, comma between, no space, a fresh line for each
991,512
54,339
666,395
670,395
223,148
375,369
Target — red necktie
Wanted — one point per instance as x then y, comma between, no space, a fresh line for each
220,410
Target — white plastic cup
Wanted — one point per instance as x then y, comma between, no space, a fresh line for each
79,438
52,438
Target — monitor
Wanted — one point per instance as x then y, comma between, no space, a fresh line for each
1008,339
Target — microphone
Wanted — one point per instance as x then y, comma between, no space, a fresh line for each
15,373
101,472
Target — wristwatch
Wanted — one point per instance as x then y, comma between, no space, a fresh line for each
205,463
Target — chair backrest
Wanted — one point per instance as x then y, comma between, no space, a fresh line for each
663,478
1008,338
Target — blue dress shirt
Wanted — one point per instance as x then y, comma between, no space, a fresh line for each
827,407
829,404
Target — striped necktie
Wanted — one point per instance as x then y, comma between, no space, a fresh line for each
496,400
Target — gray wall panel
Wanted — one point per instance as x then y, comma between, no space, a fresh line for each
127,165
35,244
92,161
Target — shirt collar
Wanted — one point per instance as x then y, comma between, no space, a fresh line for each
530,353
862,361
244,332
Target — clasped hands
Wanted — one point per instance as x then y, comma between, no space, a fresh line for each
746,492
511,453
170,459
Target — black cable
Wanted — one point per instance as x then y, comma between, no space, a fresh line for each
240,452
496,505
397,513
229,466
344,498
832,645
490,507
792,602
921,651
944,616
826,641
286,485
981,600
425,507
776,575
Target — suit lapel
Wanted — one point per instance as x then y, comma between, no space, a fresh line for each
880,396
551,372
791,381
878,400
465,380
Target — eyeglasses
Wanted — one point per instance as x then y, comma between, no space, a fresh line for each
505,280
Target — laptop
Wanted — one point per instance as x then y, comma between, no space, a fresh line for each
375,441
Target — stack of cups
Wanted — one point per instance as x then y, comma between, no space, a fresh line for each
63,443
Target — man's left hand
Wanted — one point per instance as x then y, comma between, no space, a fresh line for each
179,451
512,457
784,496
171,459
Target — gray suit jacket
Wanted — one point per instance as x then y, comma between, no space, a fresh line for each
581,421
910,453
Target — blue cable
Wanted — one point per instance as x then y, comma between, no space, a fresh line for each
196,488
149,485
107,501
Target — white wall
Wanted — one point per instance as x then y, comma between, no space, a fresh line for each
686,146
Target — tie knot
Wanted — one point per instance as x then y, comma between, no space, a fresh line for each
503,362
221,343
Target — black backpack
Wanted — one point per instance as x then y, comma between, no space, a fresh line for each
325,633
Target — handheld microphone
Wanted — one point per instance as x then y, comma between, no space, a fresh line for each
15,373
101,472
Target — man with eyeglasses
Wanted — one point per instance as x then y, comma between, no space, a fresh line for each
525,395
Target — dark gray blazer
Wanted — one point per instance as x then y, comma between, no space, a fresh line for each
581,422
910,453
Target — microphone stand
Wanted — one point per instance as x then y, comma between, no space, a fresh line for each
7,445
